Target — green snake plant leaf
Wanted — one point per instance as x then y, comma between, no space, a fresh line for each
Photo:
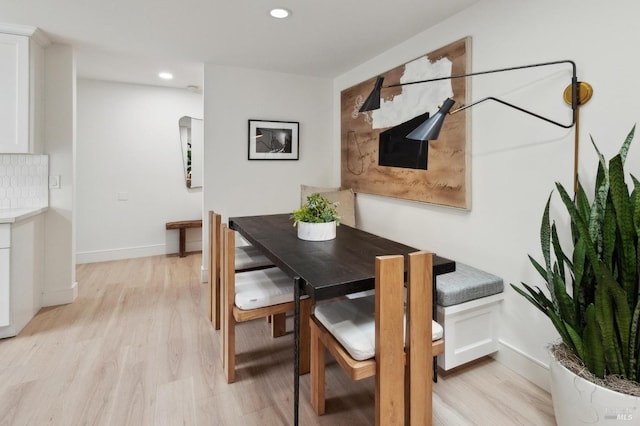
600,201
609,234
559,253
614,318
540,269
536,297
545,244
582,202
579,260
635,202
593,351
602,173
634,344
540,301
624,149
564,302
582,229
576,340
627,231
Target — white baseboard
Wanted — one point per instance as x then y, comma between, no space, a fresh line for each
132,252
120,253
60,297
528,367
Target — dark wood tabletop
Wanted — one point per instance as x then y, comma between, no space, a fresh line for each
329,268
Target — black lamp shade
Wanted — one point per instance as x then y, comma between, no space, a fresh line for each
430,129
373,100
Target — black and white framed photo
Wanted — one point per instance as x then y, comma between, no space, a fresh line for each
273,140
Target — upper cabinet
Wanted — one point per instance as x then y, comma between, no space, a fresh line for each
21,88
14,86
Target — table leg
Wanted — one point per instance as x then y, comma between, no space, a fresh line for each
183,240
297,283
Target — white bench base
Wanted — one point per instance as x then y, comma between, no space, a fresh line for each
470,330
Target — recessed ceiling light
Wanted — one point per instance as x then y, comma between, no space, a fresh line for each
165,75
279,13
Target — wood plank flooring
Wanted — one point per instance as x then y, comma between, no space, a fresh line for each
135,348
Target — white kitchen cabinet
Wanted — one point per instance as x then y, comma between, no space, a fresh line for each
21,89
5,244
20,273
14,86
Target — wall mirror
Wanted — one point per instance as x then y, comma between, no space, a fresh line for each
192,143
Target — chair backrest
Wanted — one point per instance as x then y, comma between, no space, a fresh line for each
419,345
390,356
389,352
213,272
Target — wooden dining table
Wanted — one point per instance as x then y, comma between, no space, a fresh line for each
322,269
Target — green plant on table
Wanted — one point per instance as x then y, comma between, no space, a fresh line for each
598,319
317,209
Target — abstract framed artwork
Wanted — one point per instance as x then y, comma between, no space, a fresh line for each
377,158
273,140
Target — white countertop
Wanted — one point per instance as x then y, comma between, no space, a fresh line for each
16,215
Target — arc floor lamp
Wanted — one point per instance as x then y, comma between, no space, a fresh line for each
577,93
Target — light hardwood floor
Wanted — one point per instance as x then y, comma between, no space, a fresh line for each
135,348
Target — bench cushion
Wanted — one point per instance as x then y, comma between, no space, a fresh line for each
264,287
249,257
352,323
465,284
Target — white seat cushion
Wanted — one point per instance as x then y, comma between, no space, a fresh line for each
263,287
352,323
249,257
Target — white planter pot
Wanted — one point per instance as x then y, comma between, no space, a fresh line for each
316,231
577,401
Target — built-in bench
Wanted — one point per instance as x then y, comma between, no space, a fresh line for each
468,303
182,225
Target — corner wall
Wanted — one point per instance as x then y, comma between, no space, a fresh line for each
130,173
60,103
235,186
516,158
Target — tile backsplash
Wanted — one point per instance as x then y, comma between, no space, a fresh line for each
24,181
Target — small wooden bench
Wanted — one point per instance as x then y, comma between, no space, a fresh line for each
182,225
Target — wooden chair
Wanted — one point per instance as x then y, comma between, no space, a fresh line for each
247,258
402,366
251,295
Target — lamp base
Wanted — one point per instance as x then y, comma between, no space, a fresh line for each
585,91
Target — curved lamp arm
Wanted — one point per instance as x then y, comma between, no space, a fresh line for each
491,98
373,100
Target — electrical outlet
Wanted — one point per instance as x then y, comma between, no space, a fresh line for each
54,182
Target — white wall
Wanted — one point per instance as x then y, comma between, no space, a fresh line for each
235,186
515,158
128,145
60,138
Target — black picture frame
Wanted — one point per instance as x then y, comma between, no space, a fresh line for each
273,140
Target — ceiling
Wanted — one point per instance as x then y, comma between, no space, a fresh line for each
132,40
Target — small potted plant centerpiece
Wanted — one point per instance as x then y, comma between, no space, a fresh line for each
316,219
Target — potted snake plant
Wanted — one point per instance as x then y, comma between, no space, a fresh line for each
316,219
592,298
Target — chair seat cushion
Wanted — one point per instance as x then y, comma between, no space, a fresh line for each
465,284
249,257
263,287
352,323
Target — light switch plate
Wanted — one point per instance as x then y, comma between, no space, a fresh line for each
54,182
